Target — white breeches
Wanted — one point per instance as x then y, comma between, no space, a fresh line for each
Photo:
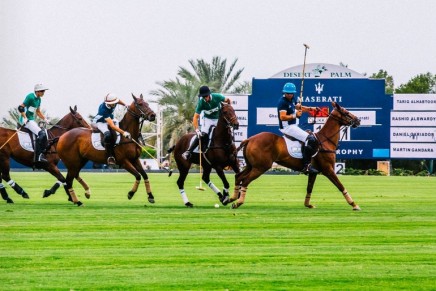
32,126
207,123
296,132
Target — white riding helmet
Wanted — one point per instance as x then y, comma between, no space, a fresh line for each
111,99
40,87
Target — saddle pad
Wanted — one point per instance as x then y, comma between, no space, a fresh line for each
96,141
294,148
25,141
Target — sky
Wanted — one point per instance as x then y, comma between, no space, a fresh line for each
84,49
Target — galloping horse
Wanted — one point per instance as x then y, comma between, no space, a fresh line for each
261,150
220,154
75,148
12,148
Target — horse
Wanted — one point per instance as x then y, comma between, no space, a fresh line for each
11,148
75,148
221,153
262,149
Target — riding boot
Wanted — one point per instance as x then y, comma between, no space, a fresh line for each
307,157
110,154
187,154
40,145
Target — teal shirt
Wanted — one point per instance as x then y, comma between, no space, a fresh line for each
31,103
211,109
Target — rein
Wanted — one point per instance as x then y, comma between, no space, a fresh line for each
336,145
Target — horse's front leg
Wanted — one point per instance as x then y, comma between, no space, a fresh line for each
136,170
310,182
225,196
85,186
331,175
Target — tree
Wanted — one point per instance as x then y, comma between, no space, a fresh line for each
389,81
178,97
12,121
422,83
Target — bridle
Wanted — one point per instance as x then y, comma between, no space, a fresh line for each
142,115
78,120
345,119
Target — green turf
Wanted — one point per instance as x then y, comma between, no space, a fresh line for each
271,242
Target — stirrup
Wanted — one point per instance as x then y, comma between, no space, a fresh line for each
186,155
308,169
41,158
111,161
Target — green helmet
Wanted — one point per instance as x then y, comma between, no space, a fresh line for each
289,88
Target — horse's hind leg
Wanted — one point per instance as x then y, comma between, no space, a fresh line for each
12,183
244,180
136,170
183,173
85,186
4,194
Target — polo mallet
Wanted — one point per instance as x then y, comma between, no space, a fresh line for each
201,175
169,170
9,139
304,67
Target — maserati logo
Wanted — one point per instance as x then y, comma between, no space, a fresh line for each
319,88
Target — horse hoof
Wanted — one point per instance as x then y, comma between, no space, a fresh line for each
235,205
79,204
226,200
9,200
189,204
310,206
150,197
130,195
46,193
356,208
25,195
87,195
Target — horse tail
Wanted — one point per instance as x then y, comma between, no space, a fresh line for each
243,144
170,150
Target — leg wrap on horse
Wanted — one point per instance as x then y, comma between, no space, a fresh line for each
147,186
16,187
3,192
135,186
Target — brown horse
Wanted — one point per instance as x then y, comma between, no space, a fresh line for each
221,153
75,149
261,150
11,148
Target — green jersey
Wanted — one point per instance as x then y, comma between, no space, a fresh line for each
211,109
32,102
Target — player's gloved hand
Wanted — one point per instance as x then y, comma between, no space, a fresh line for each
46,121
198,133
127,135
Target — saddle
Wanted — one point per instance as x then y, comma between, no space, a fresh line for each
97,137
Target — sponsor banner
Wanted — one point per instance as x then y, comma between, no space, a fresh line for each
239,102
267,116
411,102
413,150
242,117
413,118
240,134
366,117
413,134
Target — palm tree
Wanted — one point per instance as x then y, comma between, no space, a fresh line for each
12,120
179,97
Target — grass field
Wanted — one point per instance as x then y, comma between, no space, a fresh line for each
271,243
